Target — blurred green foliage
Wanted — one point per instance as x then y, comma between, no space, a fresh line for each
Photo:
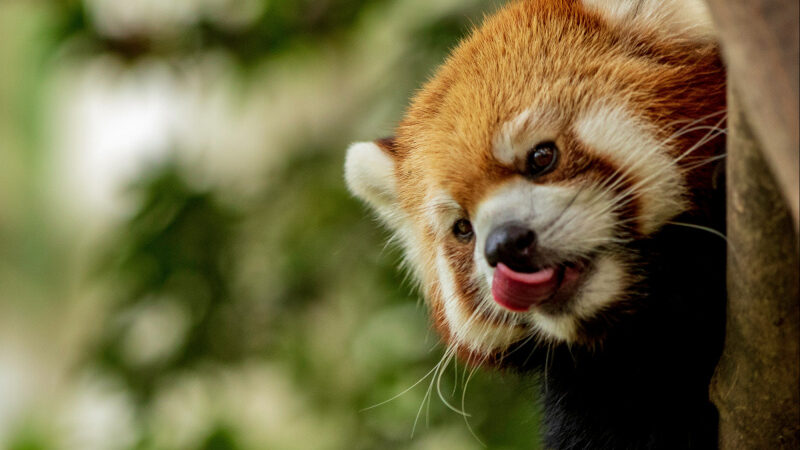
175,248
280,24
276,319
320,255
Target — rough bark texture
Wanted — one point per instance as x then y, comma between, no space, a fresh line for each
758,377
761,45
757,384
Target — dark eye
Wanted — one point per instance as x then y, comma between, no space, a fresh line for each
462,230
542,159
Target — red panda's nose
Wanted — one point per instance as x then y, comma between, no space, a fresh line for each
512,244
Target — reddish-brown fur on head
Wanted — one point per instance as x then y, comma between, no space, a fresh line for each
631,98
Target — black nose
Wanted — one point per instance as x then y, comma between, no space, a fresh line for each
512,244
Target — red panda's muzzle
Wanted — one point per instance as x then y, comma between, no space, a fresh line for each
519,292
521,281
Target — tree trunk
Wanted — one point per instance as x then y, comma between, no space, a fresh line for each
761,45
757,384
758,377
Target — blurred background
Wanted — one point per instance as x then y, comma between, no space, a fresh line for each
181,266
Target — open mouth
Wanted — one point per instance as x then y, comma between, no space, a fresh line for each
520,291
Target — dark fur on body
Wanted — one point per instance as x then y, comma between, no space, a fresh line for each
646,387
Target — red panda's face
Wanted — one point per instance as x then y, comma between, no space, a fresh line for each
555,136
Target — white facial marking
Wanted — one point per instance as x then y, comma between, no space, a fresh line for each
631,145
688,19
440,211
557,328
609,281
517,136
470,330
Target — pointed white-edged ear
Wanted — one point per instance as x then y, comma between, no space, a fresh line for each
369,172
686,19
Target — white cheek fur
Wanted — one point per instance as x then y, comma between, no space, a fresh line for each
608,284
613,133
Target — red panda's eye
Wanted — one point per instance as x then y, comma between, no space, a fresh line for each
542,158
462,230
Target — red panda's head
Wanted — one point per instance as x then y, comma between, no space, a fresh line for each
553,137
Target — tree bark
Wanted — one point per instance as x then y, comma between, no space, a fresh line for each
761,45
756,384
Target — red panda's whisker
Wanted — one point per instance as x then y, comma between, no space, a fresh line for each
438,369
623,171
633,191
693,125
555,228
521,344
536,346
700,227
728,244
691,122
547,363
455,379
631,161
440,372
627,196
463,402
626,168
705,161
564,210
424,398
396,396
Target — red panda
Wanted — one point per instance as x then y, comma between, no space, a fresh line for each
553,187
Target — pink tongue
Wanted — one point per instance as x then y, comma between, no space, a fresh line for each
518,291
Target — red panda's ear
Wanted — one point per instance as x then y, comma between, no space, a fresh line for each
369,170
682,19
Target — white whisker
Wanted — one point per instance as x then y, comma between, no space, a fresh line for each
709,230
463,401
439,387
401,393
